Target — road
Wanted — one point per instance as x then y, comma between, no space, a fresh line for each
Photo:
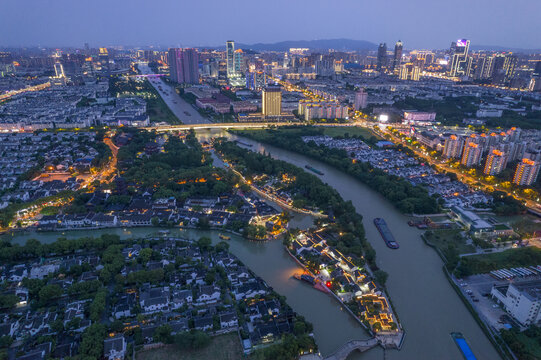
184,111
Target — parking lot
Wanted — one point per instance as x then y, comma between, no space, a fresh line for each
476,289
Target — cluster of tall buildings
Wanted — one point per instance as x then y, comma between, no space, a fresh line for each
499,149
183,65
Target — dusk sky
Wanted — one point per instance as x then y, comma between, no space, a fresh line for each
418,23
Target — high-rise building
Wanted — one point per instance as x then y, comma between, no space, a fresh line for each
256,80
460,62
361,99
230,57
59,70
409,71
272,101
183,65
453,147
509,65
472,154
239,64
382,57
397,56
526,172
496,162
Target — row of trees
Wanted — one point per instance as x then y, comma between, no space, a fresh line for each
406,197
311,191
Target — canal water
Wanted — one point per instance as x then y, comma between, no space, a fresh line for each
426,304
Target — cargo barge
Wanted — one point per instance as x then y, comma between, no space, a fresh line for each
313,169
383,229
463,346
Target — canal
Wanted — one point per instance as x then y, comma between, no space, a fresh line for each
426,304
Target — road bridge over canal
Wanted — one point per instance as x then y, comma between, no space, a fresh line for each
350,346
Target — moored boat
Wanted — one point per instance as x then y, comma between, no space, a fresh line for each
385,233
463,346
224,237
313,169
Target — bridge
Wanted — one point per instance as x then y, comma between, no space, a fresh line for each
258,125
350,346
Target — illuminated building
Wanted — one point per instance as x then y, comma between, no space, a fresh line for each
382,57
397,57
272,101
460,62
59,70
414,117
509,66
453,147
409,71
496,162
472,154
526,172
239,64
256,80
183,65
230,57
361,99
325,109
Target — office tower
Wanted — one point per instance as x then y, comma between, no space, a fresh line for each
453,147
397,57
59,70
239,64
382,57
535,81
272,101
409,71
230,57
472,154
496,162
256,80
460,62
526,172
183,65
361,99
509,66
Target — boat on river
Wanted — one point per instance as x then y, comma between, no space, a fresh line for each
224,237
316,283
313,170
243,143
385,233
463,346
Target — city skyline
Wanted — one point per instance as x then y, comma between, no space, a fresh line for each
143,24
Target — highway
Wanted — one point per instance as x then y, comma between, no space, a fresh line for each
185,112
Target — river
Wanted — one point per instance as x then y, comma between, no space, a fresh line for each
426,304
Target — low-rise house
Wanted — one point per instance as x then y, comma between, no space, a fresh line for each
114,348
208,294
228,320
203,323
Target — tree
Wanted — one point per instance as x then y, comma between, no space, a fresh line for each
381,277
204,243
49,292
92,341
163,334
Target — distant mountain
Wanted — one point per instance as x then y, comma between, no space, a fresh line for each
337,44
504,48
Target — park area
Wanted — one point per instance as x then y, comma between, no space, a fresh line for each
223,347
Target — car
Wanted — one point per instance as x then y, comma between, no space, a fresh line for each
495,306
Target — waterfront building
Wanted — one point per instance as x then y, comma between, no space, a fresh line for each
272,101
453,147
361,99
460,62
522,300
183,65
382,57
526,172
496,162
472,154
472,221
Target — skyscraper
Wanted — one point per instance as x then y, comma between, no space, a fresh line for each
230,57
453,147
59,70
409,71
382,57
397,57
361,99
526,172
239,65
509,66
472,154
183,65
496,162
460,62
272,101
